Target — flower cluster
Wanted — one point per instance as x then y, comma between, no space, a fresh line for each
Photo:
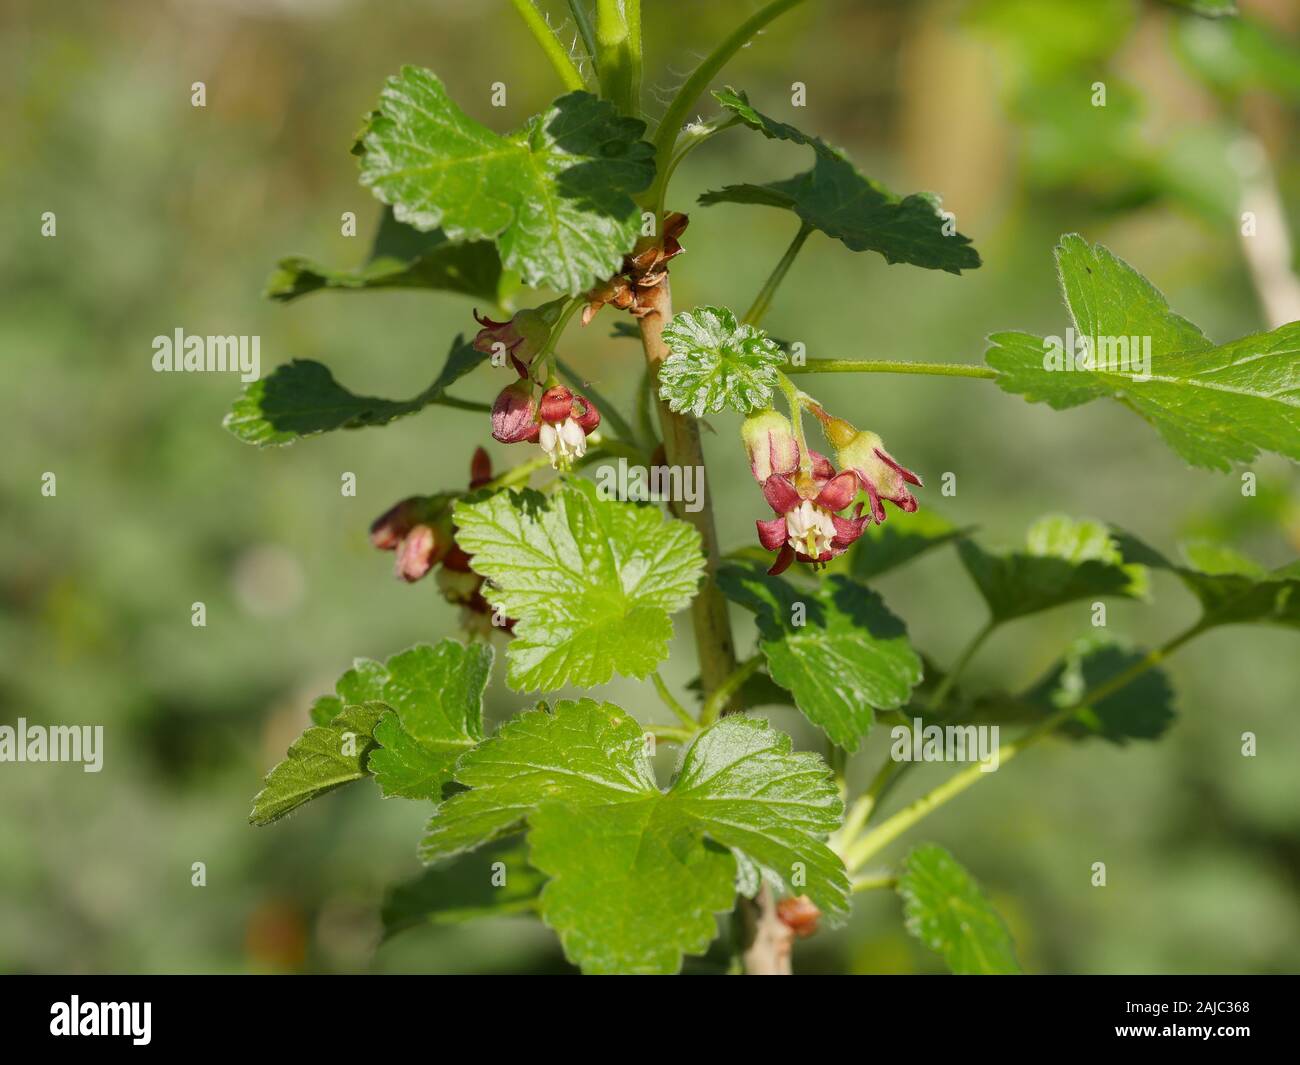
808,496
419,530
561,421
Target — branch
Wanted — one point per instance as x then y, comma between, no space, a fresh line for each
932,369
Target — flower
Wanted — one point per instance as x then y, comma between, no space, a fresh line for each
514,414
876,469
808,526
560,422
418,529
521,336
769,439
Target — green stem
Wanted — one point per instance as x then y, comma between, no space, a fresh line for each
963,659
718,699
890,829
675,117
555,51
764,298
618,51
934,369
682,714
461,404
671,733
695,136
578,9
873,883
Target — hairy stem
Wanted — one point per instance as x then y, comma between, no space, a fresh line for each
555,51
933,369
890,829
682,448
675,117
767,942
764,298
582,19
618,53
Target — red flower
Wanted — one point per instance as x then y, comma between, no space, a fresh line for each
561,422
877,471
808,526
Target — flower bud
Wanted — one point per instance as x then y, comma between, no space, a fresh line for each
514,414
390,528
769,439
480,469
878,472
419,553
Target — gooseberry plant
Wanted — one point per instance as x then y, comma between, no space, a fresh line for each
561,812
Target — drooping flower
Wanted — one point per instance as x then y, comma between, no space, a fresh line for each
808,525
567,420
770,441
418,529
877,471
514,414
519,337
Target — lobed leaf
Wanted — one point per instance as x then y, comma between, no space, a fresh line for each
555,196
1212,404
591,582
717,362
836,198
637,874
839,651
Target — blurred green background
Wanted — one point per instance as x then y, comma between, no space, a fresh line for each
173,216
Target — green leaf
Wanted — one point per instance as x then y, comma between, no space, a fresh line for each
1232,589
410,719
839,651
401,257
716,362
836,198
638,874
945,909
1141,710
435,696
902,538
1066,560
556,196
1237,55
1212,404
301,398
493,882
591,582
321,759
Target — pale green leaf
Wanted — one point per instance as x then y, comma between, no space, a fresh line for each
716,362
1212,404
638,874
591,582
945,909
555,196
301,398
839,651
836,198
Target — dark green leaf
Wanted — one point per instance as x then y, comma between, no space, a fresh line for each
900,539
401,257
836,198
838,651
1065,561
301,398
